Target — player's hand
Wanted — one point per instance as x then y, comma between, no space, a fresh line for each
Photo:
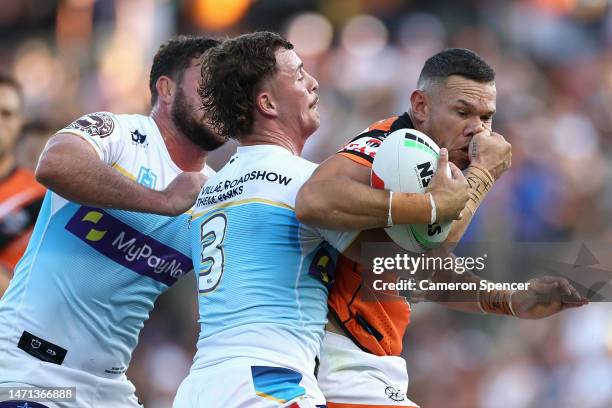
546,296
182,192
491,151
449,193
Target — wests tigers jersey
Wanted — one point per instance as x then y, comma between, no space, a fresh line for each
376,326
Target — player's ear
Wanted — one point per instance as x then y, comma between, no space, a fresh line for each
419,105
166,88
266,104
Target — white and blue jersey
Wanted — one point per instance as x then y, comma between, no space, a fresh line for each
262,275
90,276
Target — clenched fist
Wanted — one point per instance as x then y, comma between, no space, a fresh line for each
183,191
491,151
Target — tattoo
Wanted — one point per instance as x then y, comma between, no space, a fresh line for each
474,149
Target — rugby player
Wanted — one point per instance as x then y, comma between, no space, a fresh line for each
454,104
91,273
261,274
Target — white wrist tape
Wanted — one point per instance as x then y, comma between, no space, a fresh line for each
434,216
510,304
389,217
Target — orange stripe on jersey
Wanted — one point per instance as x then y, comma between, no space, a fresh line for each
343,405
375,321
356,159
384,124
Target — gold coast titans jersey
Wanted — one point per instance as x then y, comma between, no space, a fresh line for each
90,276
262,275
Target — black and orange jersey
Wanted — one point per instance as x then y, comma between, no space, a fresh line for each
21,197
376,322
362,148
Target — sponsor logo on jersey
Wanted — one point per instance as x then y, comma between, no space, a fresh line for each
394,394
226,189
323,266
95,124
127,246
138,138
146,177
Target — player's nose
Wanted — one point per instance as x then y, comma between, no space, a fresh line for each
475,126
314,86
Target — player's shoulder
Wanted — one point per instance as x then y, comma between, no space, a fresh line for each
97,124
103,124
363,147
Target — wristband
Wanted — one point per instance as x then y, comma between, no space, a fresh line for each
510,304
496,302
478,302
390,216
433,209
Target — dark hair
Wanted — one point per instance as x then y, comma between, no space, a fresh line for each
232,74
174,56
8,80
455,61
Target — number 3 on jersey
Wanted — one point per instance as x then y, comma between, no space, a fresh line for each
212,259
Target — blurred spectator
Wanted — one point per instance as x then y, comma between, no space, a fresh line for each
30,145
20,195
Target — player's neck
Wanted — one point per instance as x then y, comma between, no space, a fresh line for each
269,137
184,153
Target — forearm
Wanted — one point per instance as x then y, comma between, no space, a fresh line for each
343,204
73,170
474,300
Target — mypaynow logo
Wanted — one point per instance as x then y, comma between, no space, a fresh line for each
128,247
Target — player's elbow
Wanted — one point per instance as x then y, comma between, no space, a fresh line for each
48,169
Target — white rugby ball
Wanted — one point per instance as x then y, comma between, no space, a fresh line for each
405,162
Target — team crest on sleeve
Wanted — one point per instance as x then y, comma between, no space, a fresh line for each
365,145
95,124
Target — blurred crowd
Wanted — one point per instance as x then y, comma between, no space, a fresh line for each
553,60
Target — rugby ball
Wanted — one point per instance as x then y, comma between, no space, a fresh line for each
405,162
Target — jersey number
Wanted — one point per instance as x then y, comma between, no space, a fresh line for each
212,258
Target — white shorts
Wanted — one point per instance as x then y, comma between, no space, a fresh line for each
91,391
348,376
240,384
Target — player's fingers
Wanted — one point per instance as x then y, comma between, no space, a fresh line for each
443,159
455,172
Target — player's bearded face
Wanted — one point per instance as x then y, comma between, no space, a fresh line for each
457,111
187,115
191,121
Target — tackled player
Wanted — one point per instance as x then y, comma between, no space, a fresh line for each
454,105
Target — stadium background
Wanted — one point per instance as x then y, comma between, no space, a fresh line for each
554,78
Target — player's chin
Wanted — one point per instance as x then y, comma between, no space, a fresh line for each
314,119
